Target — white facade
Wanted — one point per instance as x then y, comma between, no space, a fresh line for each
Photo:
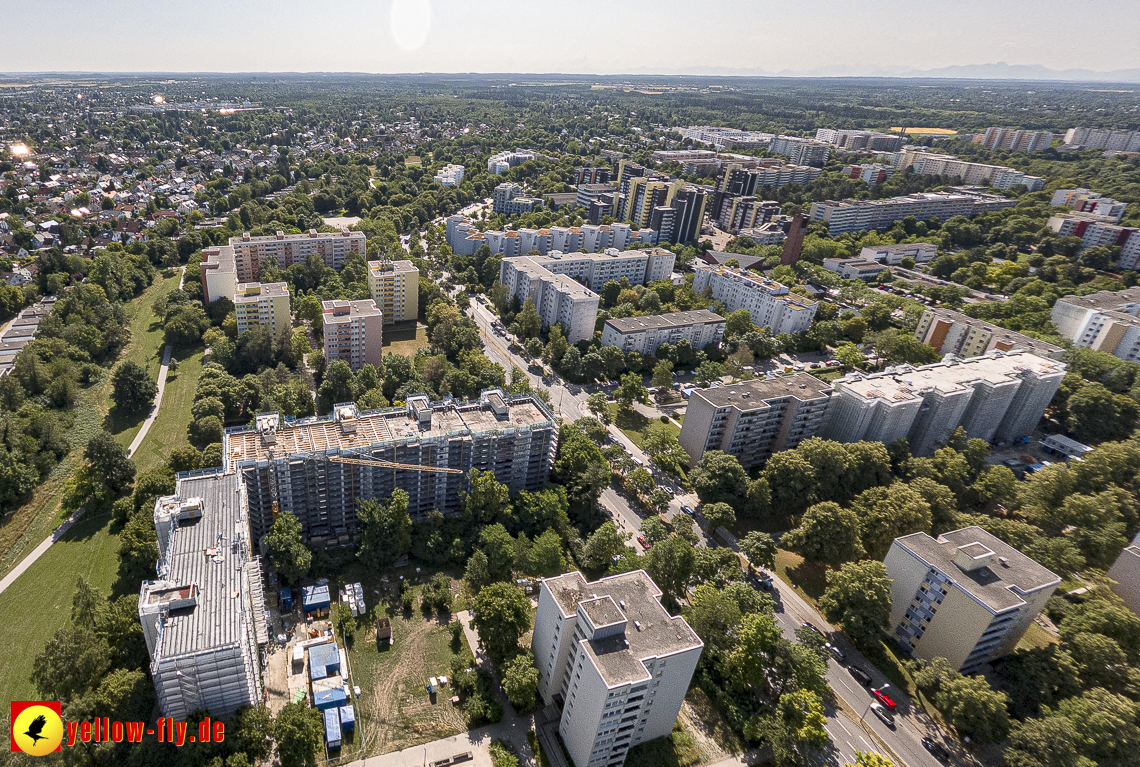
801,151
557,297
892,255
1107,321
1099,230
504,161
771,304
860,215
644,334
997,176
450,175
854,268
1126,572
1102,138
253,253
996,396
508,198
1085,201
464,239
617,660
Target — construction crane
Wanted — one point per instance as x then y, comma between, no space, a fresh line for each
391,465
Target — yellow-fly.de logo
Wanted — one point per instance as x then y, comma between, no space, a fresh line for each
37,727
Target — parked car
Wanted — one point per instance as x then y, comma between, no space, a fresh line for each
688,510
936,750
883,698
810,627
642,541
835,651
861,676
884,715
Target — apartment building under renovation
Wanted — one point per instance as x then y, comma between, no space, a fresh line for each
319,468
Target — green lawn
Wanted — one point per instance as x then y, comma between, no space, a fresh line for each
169,429
1036,637
675,750
634,424
809,579
404,338
39,602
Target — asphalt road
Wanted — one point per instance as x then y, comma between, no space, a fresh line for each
848,733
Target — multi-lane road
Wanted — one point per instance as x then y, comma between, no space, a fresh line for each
851,726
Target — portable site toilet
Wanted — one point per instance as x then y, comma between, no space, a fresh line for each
347,718
332,729
298,658
286,600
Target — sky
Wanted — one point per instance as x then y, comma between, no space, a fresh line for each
795,37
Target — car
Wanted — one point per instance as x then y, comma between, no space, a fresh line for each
832,363
611,439
638,462
762,582
936,750
667,490
835,651
642,541
861,676
798,367
810,627
883,698
884,715
688,510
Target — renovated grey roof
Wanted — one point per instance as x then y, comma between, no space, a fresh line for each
751,394
672,319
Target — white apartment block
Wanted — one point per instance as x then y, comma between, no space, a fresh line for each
723,138
1015,140
771,304
615,658
252,253
508,198
699,327
353,332
861,140
464,239
770,233
557,298
594,270
682,155
998,396
504,161
952,332
1107,321
1125,571
218,272
860,215
801,151
752,420
263,304
395,287
1099,230
892,255
972,173
1102,138
965,596
1085,201
450,175
874,173
854,268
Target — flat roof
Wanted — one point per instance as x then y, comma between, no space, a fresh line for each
905,382
1010,336
533,267
343,311
671,319
392,266
650,631
249,292
998,584
1106,300
747,395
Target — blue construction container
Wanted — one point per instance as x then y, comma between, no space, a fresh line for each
324,660
286,599
326,699
332,729
347,718
315,599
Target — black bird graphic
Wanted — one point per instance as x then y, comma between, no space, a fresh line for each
36,728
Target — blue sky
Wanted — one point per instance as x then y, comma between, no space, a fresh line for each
824,37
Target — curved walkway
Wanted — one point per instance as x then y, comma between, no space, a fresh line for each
56,534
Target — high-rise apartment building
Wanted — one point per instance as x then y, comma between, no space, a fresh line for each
644,334
724,138
1103,138
218,272
972,173
874,174
593,176
263,304
801,151
284,464
594,270
203,617
395,287
645,193
1015,139
464,239
965,596
504,161
508,198
754,419
1085,201
682,155
1099,230
1125,572
738,213
450,175
859,215
771,304
952,332
353,332
251,254
680,220
556,297
737,181
861,140
616,660
998,396
1107,321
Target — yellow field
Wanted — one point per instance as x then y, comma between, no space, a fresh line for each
927,131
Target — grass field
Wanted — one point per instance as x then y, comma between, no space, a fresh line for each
1036,637
169,429
676,750
635,425
807,578
39,602
404,338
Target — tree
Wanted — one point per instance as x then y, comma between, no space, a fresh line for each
487,500
499,546
888,513
1107,726
858,597
520,681
185,325
132,390
478,571
850,357
719,515
828,534
185,458
662,375
1095,414
792,481
664,449
108,463
385,530
534,348
529,321
338,386
1098,616
290,554
603,545
502,616
707,372
596,403
653,530
719,478
581,469
1058,554
253,731
670,564
738,323
72,662
798,732
299,731
759,548
973,707
546,557
870,759
1098,659
631,390
1048,742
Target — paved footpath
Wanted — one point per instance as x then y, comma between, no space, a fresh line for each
56,534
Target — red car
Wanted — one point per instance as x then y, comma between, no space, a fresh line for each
883,698
644,545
